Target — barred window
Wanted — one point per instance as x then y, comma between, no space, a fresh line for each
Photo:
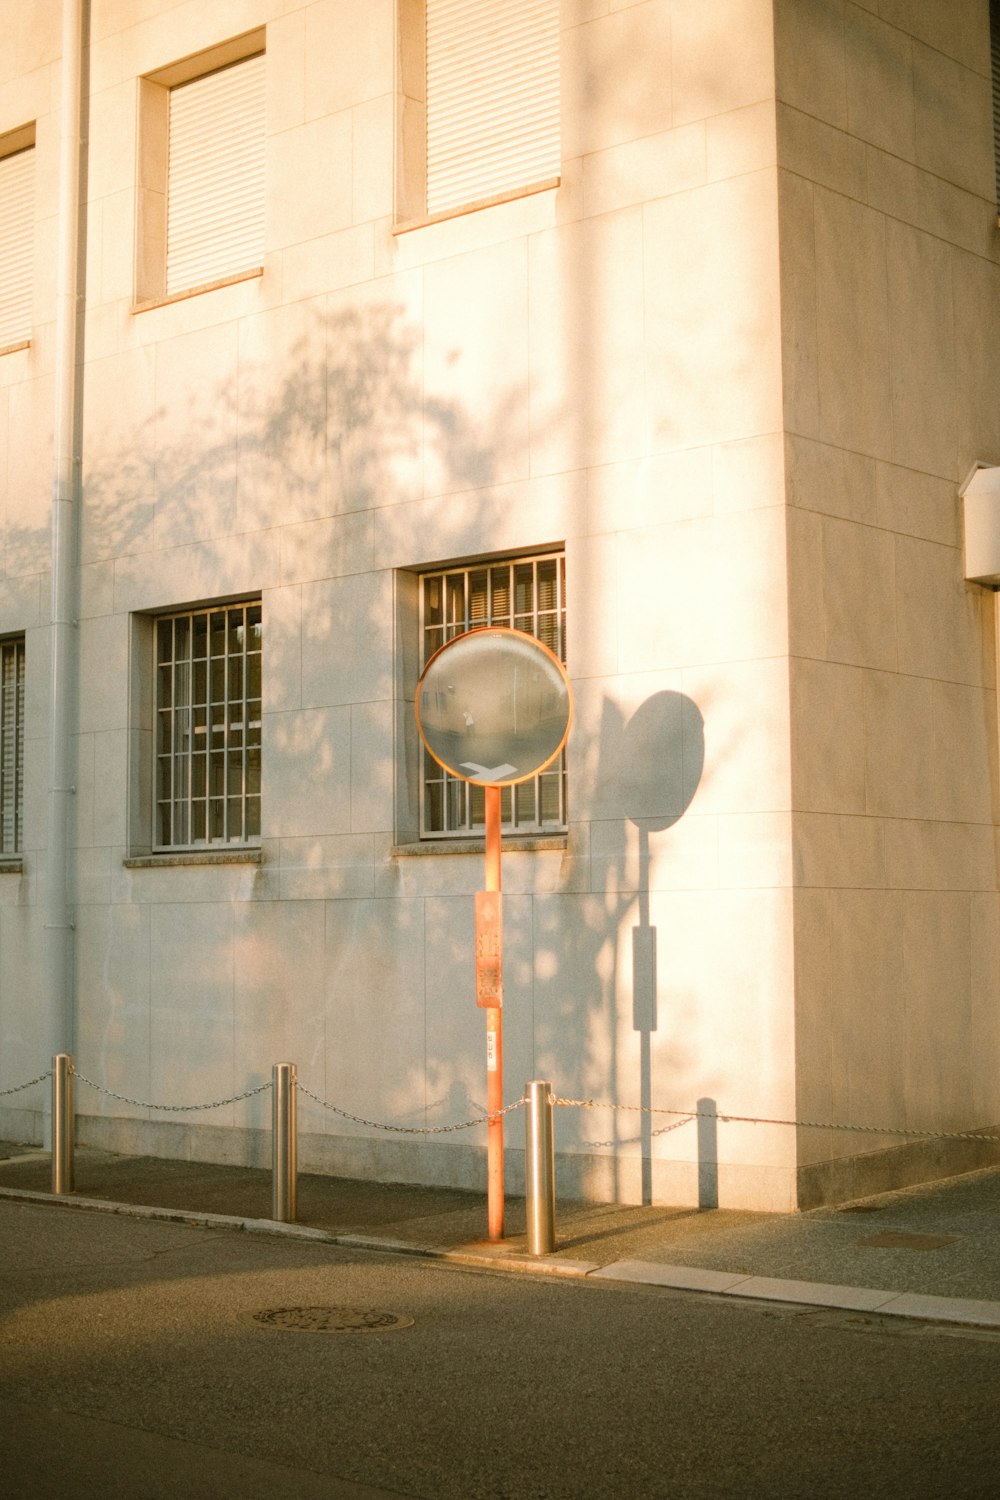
995,65
208,727
11,745
528,594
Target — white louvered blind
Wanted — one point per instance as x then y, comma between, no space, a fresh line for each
492,98
215,176
17,204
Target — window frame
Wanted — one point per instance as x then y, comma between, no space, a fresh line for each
181,794
13,144
153,170
461,806
411,208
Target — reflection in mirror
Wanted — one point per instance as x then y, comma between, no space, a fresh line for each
493,706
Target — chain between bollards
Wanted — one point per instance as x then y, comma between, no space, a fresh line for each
538,1101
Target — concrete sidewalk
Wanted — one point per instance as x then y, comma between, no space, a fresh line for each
929,1252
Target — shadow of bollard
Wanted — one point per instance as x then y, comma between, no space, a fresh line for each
708,1154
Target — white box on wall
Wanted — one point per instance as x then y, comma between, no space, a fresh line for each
981,504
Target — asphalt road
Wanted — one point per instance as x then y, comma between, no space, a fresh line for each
132,1365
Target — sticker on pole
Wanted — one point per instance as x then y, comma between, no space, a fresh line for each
489,949
494,706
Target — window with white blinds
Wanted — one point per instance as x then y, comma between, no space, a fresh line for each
525,593
215,176
11,745
17,213
492,98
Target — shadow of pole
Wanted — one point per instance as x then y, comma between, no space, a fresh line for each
644,1011
708,1153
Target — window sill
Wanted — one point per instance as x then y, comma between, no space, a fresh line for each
406,225
193,857
196,291
511,843
11,865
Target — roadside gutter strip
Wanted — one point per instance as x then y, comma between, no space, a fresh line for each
956,1310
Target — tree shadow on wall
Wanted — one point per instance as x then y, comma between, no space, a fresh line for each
332,424
181,498
274,430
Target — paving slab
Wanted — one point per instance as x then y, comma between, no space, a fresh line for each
812,1293
688,1278
964,1310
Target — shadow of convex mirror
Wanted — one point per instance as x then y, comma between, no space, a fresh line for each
662,756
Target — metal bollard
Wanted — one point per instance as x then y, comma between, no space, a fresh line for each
539,1168
63,1122
284,1143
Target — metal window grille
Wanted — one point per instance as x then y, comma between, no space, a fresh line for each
528,594
215,176
11,745
492,98
17,206
208,727
995,60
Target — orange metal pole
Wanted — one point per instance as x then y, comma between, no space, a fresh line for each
494,1041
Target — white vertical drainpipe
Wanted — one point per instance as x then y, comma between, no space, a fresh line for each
63,649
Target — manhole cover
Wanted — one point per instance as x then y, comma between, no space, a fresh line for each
898,1239
330,1319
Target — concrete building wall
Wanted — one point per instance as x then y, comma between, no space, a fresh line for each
889,306
643,364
